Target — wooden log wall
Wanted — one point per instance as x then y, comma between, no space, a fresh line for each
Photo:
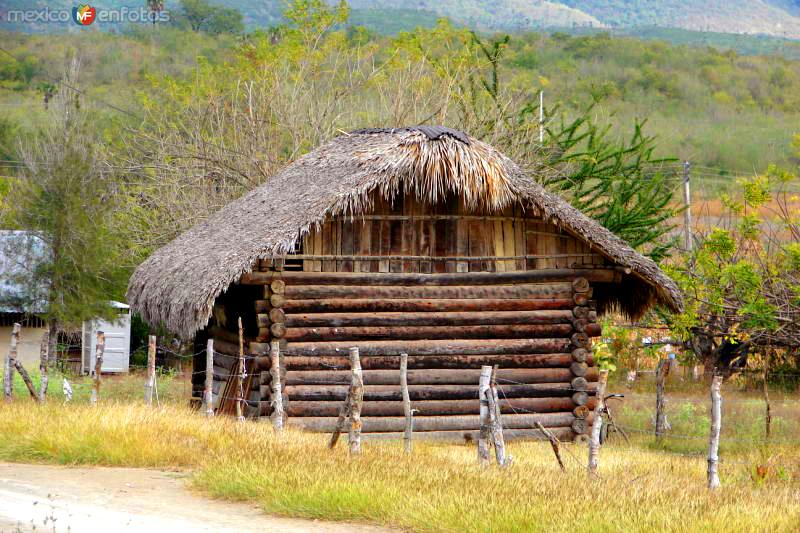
536,326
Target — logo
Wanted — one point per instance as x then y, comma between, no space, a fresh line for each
84,15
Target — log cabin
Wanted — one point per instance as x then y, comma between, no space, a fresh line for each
420,240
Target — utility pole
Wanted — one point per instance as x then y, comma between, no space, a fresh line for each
541,117
687,212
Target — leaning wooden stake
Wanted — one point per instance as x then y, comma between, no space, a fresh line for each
208,387
597,424
150,380
11,358
662,370
356,401
98,366
407,412
26,379
240,376
554,443
483,397
344,414
495,423
277,393
44,380
716,427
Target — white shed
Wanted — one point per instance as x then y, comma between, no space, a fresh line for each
116,358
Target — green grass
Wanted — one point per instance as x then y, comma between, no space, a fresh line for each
439,487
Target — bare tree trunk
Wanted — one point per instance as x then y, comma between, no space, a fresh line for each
483,397
277,393
496,425
716,428
597,425
662,370
98,366
768,414
150,380
10,360
356,399
52,341
208,387
407,412
44,349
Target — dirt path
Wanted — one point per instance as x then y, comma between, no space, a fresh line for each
61,499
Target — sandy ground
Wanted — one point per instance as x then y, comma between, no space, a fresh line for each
61,499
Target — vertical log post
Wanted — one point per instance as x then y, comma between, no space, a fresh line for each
208,387
98,366
240,376
768,413
495,423
662,370
407,412
275,374
8,367
597,425
356,400
44,378
716,428
150,380
483,397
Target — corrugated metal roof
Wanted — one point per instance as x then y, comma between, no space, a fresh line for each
19,253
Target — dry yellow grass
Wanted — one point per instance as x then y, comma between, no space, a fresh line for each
438,488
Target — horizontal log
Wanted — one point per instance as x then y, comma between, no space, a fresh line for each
263,320
581,355
308,320
221,334
280,331
437,423
430,377
334,305
522,291
277,315
429,347
421,332
427,392
263,306
470,436
553,360
434,407
464,278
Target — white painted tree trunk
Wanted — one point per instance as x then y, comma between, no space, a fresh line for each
716,428
483,396
597,425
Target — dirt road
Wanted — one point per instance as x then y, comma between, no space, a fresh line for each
60,499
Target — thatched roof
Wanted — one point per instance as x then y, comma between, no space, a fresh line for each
178,284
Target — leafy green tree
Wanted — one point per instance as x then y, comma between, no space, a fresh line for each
742,283
65,200
200,15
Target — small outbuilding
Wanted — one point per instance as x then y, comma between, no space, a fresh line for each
418,240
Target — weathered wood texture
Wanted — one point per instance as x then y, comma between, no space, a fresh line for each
455,290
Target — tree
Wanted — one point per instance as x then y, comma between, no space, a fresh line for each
64,198
202,16
742,283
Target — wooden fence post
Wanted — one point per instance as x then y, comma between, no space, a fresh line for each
277,390
44,378
768,413
496,424
208,387
344,414
10,359
150,379
597,424
356,399
240,376
407,412
554,443
716,428
662,370
98,366
483,397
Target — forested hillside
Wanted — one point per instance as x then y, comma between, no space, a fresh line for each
780,18
716,108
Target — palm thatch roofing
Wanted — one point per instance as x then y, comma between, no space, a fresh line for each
178,284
